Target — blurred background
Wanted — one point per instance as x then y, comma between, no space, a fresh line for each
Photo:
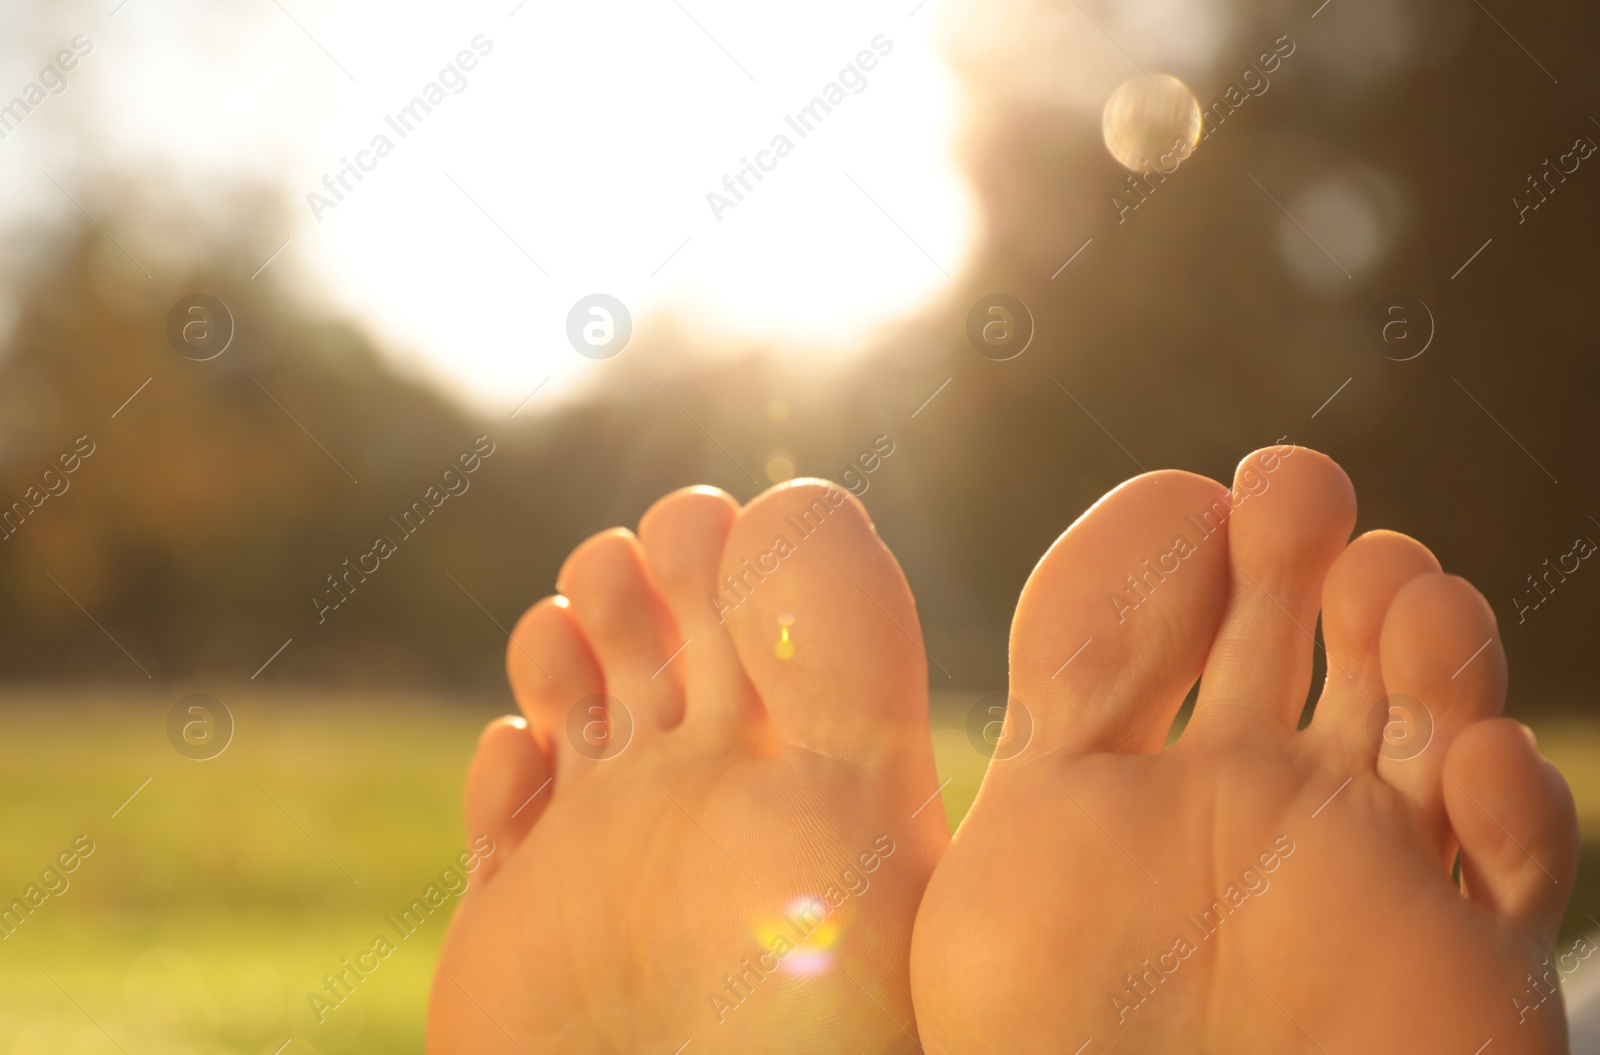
393,220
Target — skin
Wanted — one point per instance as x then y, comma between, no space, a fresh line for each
1070,911
758,782
623,891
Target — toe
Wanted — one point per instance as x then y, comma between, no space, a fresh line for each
553,675
1115,621
1293,511
628,625
826,628
1517,824
683,536
1443,669
1361,585
508,786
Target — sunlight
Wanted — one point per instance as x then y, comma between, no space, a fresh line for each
581,154
457,179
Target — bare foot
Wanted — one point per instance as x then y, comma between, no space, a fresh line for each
1251,888
741,872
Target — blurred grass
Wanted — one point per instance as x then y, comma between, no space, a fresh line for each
208,910
206,914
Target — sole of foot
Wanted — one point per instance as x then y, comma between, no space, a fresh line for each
1253,886
714,818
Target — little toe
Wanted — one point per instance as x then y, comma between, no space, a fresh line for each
683,536
508,786
1360,587
630,629
825,625
1116,619
553,674
1517,824
1443,669
1293,511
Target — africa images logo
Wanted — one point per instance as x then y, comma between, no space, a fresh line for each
402,122
802,122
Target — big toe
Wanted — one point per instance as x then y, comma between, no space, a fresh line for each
825,627
1115,621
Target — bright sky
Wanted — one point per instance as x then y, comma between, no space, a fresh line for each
575,158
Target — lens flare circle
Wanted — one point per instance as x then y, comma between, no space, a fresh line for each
1148,116
808,935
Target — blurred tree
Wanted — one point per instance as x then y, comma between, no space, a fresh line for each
219,500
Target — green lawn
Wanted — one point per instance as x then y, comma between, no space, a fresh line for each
207,912
217,898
